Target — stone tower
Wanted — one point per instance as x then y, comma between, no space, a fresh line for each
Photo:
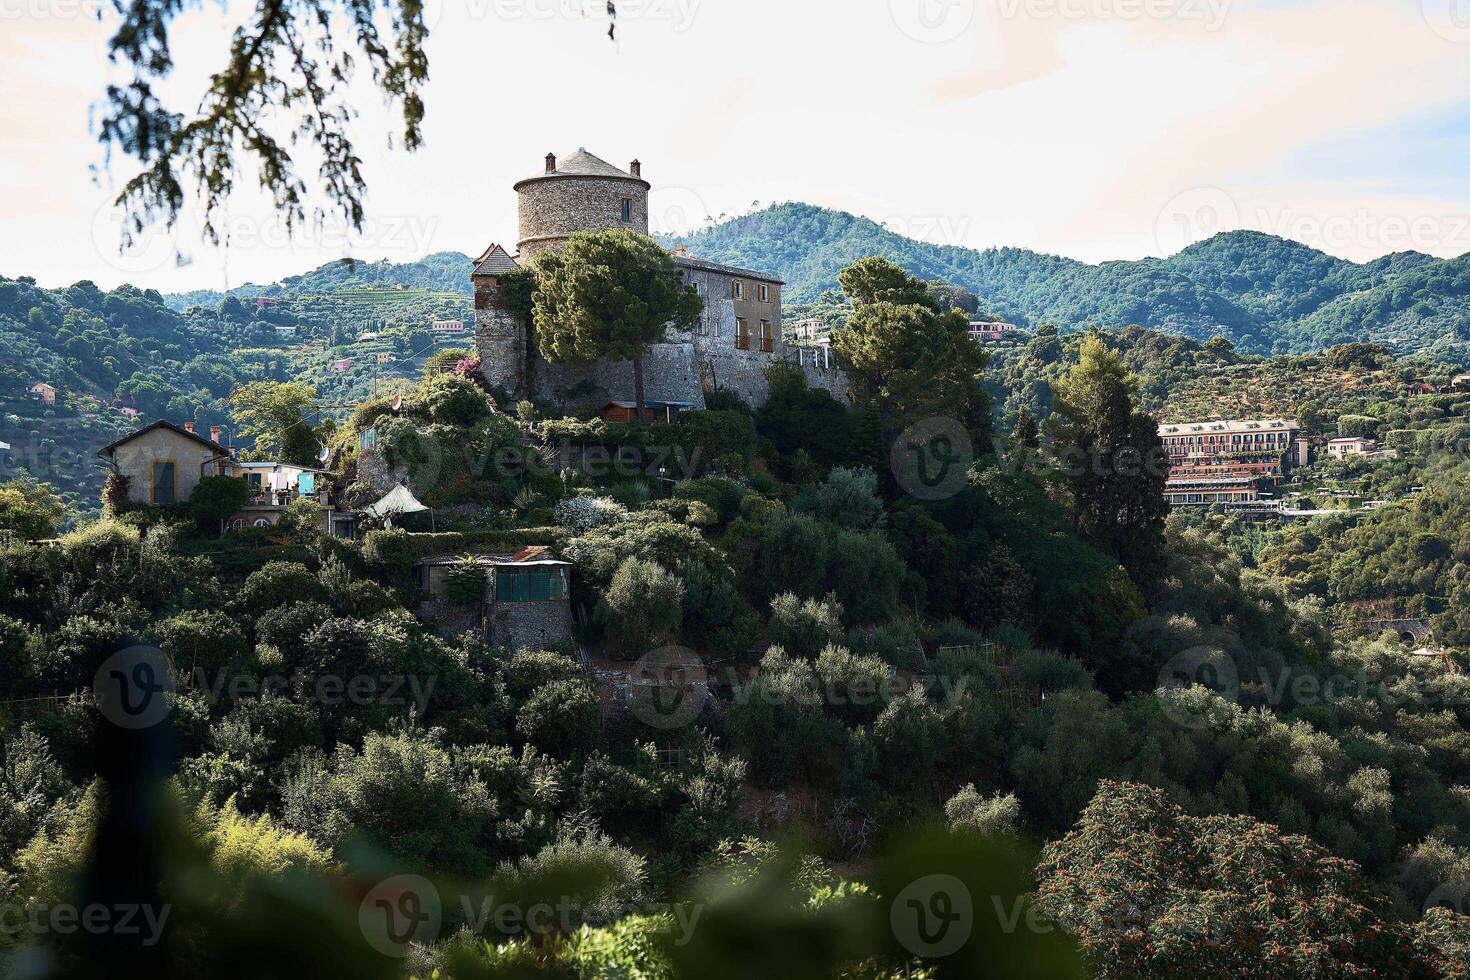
582,193
500,335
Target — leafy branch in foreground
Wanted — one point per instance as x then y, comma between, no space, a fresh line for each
284,84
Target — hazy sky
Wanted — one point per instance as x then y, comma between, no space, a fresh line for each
1096,129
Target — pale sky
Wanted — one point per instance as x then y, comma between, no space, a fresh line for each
1097,129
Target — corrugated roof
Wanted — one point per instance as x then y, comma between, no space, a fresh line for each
495,262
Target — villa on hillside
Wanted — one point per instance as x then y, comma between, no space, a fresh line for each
1227,461
163,464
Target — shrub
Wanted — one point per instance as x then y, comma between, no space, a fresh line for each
804,627
893,643
279,583
560,718
642,606
454,400
993,816
202,639
582,513
605,879
721,493
528,670
853,686
285,627
779,721
847,498
715,615
465,581
717,438
218,498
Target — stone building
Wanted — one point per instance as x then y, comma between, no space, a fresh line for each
736,339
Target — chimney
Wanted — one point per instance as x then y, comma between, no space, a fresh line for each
681,249
214,433
188,426
636,168
551,163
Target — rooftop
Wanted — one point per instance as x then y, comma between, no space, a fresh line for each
162,424
690,262
496,261
1227,426
582,164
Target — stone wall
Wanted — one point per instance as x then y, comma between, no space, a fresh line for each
553,208
535,625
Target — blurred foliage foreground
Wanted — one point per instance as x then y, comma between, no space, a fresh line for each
157,889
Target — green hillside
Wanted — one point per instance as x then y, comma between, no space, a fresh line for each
1265,294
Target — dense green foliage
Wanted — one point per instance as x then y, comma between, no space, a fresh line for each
773,640
1265,294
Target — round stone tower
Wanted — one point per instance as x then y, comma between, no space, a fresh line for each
582,193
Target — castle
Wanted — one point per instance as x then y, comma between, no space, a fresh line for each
737,338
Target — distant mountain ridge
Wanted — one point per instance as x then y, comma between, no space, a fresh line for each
1264,293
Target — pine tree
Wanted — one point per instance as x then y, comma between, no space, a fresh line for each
1112,460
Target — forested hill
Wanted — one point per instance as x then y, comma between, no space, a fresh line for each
441,272
1264,293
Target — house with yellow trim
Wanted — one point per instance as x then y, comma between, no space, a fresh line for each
163,464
